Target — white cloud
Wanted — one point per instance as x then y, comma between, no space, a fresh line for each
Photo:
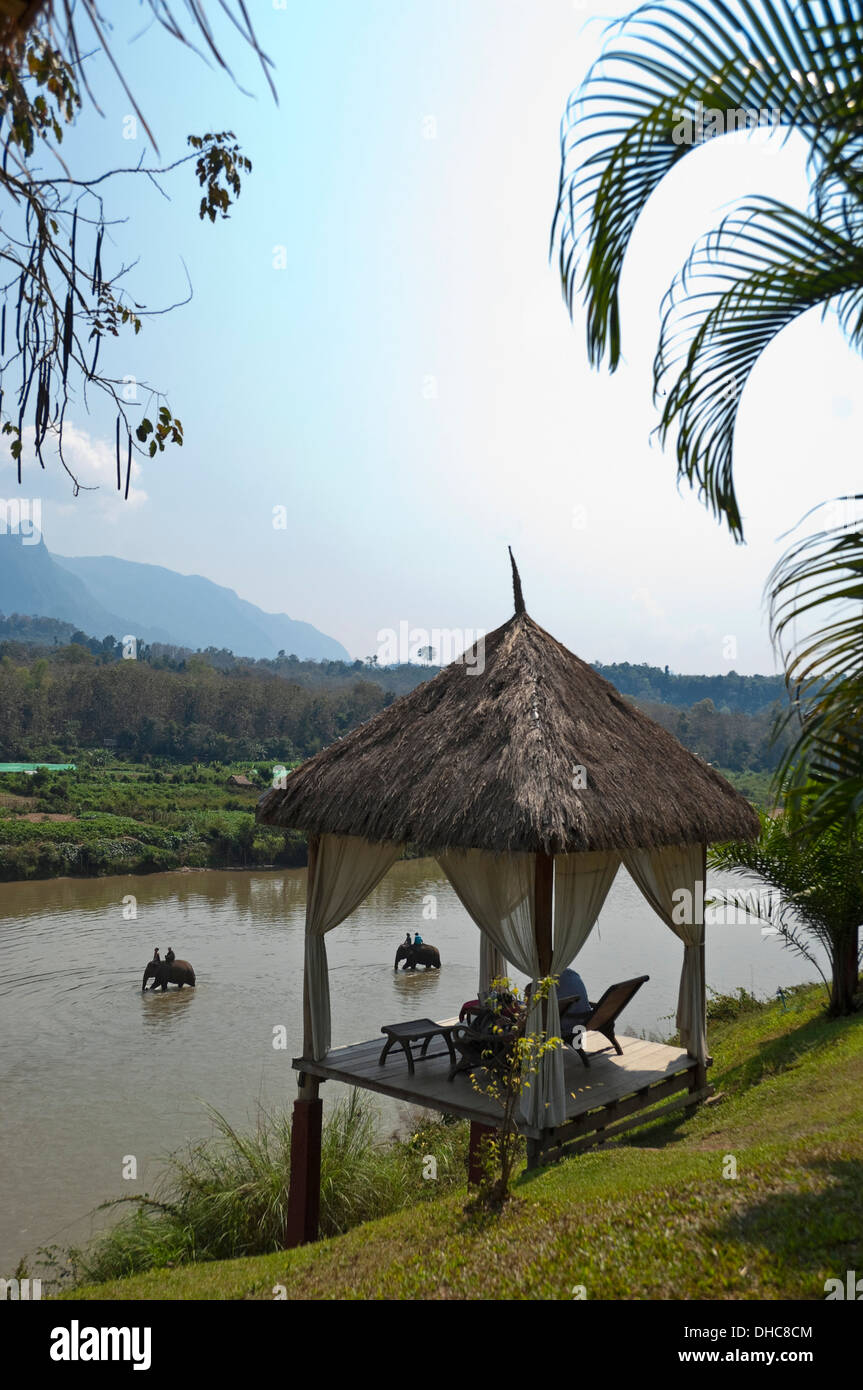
90,459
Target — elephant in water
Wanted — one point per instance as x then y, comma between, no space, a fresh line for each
426,955
179,972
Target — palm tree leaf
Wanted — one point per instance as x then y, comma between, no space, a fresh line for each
765,266
617,135
817,586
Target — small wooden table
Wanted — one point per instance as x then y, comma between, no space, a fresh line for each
419,1030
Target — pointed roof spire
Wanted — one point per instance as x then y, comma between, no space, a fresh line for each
518,596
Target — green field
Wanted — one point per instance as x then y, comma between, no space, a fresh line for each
652,1216
110,817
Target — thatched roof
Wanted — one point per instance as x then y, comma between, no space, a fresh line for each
488,761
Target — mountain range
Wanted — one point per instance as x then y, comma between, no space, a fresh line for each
102,594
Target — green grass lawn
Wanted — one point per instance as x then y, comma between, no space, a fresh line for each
651,1216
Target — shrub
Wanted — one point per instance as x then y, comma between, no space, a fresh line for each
226,1197
722,1008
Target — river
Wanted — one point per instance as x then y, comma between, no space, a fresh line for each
94,1071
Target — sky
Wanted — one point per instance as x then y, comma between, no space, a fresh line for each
377,343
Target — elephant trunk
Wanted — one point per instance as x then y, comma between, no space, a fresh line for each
145,979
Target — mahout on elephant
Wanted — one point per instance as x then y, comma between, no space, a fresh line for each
165,972
426,955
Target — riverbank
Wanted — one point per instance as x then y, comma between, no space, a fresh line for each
109,817
663,1213
114,818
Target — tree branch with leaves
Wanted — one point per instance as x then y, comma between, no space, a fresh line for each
61,305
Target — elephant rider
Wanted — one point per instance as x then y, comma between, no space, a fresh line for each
169,956
418,941
156,957
407,941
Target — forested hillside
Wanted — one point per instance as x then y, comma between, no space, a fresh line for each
749,694
62,705
57,701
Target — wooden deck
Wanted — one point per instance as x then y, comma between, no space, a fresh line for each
603,1099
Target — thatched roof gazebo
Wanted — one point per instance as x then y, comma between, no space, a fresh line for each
530,779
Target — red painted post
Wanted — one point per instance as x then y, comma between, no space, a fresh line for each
304,1194
475,1164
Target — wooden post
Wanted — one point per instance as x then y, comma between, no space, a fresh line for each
700,1076
475,1165
543,889
304,1194
543,897
314,841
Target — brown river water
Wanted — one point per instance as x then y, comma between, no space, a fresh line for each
92,1070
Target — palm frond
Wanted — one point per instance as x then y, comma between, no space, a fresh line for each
781,917
765,266
817,586
815,882
618,133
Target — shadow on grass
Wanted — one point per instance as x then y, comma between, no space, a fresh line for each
530,1175
785,1051
813,1229
659,1134
476,1216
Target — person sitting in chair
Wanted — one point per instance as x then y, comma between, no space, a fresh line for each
169,956
503,1003
572,987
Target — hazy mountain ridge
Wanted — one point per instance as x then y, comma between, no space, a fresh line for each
103,594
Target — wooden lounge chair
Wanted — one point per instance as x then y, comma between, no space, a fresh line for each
602,1016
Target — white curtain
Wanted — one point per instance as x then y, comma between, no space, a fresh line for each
498,892
492,965
672,881
343,870
581,885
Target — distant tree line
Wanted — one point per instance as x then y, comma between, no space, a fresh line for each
66,703
56,702
727,738
748,694
25,638
729,692
32,629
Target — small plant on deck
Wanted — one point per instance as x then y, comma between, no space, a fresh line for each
513,1059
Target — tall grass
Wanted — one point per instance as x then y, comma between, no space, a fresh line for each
227,1196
